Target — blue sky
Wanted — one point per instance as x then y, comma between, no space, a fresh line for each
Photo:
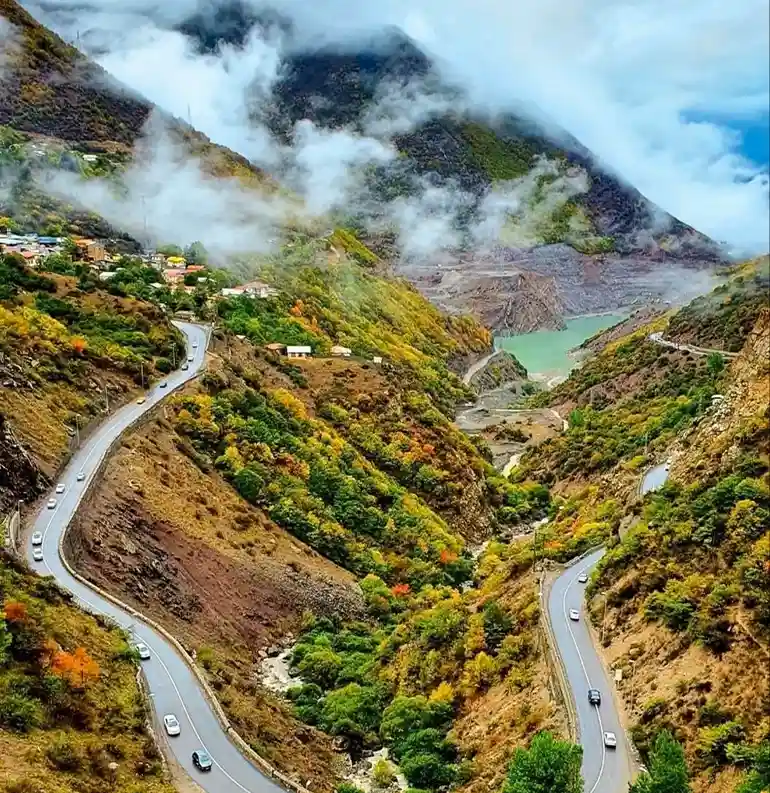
756,138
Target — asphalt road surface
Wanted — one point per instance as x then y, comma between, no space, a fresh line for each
605,770
173,687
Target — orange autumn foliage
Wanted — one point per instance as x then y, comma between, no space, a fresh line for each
78,344
15,611
401,590
77,668
297,309
447,556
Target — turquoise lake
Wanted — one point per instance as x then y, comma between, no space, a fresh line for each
545,351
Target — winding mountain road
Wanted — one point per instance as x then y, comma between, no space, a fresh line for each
657,338
173,686
604,770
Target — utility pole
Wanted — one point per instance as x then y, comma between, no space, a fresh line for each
106,397
141,372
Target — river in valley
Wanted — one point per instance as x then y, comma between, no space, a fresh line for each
544,353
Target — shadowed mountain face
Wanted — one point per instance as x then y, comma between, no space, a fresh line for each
613,260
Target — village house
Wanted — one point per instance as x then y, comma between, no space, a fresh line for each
276,347
154,259
174,275
377,359
93,250
251,289
298,351
338,351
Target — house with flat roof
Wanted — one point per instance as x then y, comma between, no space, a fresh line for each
276,347
298,351
338,351
251,289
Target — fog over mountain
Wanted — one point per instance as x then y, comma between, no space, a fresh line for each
620,79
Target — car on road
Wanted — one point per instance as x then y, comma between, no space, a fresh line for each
185,366
143,650
610,741
81,476
594,696
582,578
171,723
202,760
163,384
37,554
51,503
190,357
60,487
37,538
141,401
195,344
574,615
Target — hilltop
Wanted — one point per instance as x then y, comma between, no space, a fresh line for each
60,110
594,246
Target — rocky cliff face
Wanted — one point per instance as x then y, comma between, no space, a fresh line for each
504,299
501,369
20,478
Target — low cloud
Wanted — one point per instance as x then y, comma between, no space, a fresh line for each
327,165
401,107
166,196
9,44
624,80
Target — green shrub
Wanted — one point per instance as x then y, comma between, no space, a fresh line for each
63,755
20,713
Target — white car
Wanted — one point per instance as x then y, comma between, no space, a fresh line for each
582,578
574,615
51,503
195,344
143,650
37,538
37,554
60,487
140,401
190,357
171,723
610,741
81,476
185,367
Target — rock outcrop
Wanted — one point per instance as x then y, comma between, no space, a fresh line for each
501,369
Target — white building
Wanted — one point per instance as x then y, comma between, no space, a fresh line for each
252,289
298,351
338,351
